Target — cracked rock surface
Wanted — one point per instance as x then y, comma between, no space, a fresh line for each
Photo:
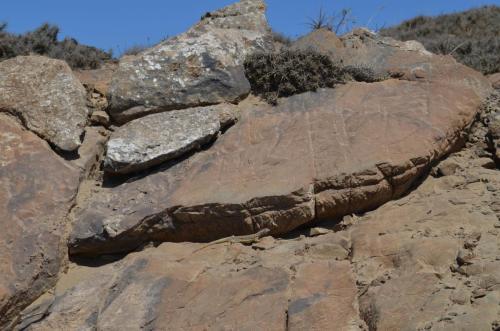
318,155
433,252
382,199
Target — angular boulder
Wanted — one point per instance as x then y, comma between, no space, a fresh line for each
47,98
37,189
199,67
157,138
315,156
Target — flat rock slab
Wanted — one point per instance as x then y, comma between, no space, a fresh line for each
47,97
156,138
314,156
201,66
171,287
37,189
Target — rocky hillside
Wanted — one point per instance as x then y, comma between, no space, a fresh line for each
163,193
472,37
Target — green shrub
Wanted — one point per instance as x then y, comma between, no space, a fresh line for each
44,41
285,73
472,37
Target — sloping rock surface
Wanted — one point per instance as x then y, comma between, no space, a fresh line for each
222,287
315,156
47,97
199,67
36,193
156,138
429,261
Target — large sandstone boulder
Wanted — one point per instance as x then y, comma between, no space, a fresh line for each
314,156
156,138
199,67
37,189
47,98
434,252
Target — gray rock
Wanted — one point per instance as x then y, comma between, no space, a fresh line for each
199,67
156,138
47,97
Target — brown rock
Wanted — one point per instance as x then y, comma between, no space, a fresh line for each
37,189
396,274
220,287
98,79
315,156
100,117
323,297
92,150
320,40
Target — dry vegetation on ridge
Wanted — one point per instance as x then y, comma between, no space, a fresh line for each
44,41
472,37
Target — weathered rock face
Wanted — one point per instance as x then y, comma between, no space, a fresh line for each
395,260
156,138
159,290
202,66
36,192
347,280
47,97
315,156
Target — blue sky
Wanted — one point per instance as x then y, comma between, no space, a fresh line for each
113,24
